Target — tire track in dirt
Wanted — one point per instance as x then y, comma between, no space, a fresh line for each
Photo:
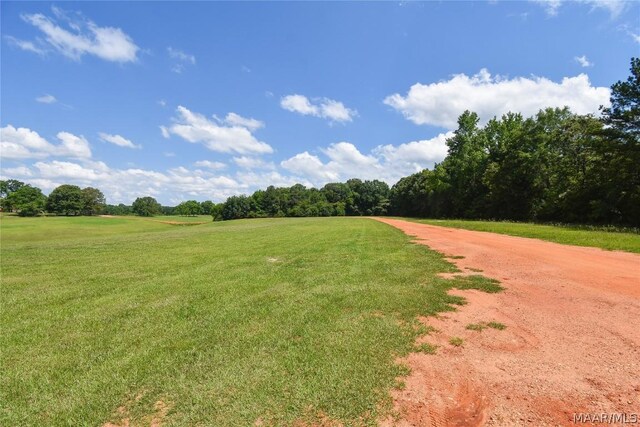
571,343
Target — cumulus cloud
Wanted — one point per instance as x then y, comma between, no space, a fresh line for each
72,146
325,108
181,59
386,162
125,185
216,136
234,119
118,140
583,61
414,156
24,143
440,104
47,99
78,37
247,162
210,165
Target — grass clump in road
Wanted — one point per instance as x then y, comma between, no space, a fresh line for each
476,327
627,240
197,326
456,341
484,325
497,325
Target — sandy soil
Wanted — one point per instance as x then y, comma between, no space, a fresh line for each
571,343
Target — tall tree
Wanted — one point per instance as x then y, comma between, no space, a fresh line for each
27,200
6,188
66,200
94,201
146,206
189,208
621,151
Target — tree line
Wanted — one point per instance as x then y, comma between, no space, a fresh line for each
554,166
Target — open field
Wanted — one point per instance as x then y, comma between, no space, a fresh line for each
610,240
114,320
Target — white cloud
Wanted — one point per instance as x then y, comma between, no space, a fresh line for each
124,185
23,143
182,59
165,132
162,103
17,171
196,128
46,99
25,45
73,146
310,166
299,104
325,108
583,61
247,162
181,56
234,119
385,162
118,140
613,7
336,111
440,104
551,7
210,165
634,36
82,37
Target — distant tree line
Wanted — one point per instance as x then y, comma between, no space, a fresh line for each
554,166
354,197
27,200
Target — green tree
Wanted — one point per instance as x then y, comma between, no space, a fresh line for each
6,188
146,206
620,152
216,211
465,166
206,207
624,113
27,200
189,208
66,200
236,207
94,201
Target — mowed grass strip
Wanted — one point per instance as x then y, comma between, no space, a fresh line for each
609,240
278,321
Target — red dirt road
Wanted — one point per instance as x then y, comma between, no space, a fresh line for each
571,343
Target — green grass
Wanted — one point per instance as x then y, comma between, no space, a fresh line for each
609,240
282,320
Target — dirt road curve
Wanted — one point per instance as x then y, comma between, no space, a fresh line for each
571,343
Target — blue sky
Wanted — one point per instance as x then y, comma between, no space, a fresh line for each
197,100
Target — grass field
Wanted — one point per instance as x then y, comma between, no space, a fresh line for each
610,240
279,321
